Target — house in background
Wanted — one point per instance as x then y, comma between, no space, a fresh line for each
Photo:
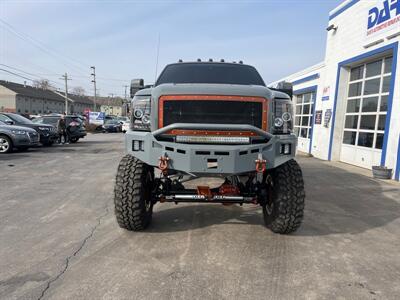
25,99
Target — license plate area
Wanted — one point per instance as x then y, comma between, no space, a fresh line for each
212,163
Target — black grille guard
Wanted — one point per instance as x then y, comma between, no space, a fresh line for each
224,127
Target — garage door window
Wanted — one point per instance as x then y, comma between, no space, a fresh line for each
304,115
367,100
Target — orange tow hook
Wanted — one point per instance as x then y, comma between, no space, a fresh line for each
261,164
163,164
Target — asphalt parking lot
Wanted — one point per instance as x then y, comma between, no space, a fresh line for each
59,238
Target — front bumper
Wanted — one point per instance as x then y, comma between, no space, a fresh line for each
24,140
48,137
199,159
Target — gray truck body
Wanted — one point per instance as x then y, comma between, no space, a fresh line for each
210,159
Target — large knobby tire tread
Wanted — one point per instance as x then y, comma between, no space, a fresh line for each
129,194
289,196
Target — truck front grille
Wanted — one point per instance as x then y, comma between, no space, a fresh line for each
209,109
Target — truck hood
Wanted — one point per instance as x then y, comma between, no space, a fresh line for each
214,89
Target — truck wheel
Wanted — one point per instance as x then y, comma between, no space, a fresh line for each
132,194
284,209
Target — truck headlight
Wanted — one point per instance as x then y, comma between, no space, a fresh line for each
283,121
141,109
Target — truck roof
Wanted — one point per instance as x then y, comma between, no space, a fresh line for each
210,72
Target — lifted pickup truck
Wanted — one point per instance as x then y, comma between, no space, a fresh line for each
210,119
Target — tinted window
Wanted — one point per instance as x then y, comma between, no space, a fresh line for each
349,137
353,106
374,68
388,65
355,89
372,86
357,73
219,73
20,119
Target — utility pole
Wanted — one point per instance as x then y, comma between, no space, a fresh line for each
65,77
125,86
108,100
94,83
125,105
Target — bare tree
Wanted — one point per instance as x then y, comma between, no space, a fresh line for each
78,90
42,84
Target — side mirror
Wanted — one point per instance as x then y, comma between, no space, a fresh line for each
284,87
9,122
136,85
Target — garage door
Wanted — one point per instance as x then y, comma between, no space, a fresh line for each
365,116
304,119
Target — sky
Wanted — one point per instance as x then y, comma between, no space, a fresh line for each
45,39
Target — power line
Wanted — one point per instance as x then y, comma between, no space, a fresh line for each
16,74
40,45
28,73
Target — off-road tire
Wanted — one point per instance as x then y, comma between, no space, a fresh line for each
283,213
132,194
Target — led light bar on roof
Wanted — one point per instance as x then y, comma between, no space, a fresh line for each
212,139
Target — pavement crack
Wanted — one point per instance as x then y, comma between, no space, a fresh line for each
68,259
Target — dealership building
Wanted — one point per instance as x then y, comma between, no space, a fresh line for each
347,108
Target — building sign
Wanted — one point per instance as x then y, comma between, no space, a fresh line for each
96,118
325,93
318,117
327,117
383,16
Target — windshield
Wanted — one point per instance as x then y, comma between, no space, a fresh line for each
46,120
2,123
20,119
219,73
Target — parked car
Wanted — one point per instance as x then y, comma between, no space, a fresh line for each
19,137
125,122
125,126
112,126
75,127
48,133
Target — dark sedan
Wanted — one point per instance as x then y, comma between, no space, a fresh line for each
17,137
48,134
75,127
112,126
